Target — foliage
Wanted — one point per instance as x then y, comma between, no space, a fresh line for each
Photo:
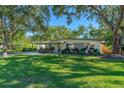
25,49
101,33
58,33
66,51
15,19
111,16
82,51
95,52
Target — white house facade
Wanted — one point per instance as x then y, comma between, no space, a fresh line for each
77,43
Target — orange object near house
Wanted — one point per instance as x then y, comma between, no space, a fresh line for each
105,49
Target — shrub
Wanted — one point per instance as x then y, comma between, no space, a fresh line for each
76,51
29,49
91,51
82,51
72,51
96,52
66,51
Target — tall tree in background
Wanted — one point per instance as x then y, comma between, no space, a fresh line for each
101,33
111,16
52,33
58,33
78,33
14,19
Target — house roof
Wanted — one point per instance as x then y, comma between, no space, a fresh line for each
63,40
76,39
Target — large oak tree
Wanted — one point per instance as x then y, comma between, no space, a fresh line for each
111,16
14,19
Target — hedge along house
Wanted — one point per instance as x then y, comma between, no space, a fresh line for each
59,45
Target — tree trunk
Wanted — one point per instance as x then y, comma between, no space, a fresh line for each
5,45
116,42
5,50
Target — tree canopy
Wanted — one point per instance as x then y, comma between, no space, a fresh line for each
14,19
18,20
58,33
110,16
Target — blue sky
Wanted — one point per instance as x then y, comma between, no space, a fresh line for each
62,22
74,25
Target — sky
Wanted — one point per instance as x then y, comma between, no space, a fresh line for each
75,23
61,21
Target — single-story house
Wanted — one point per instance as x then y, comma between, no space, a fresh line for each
71,43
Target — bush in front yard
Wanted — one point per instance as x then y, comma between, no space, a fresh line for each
96,52
29,49
82,51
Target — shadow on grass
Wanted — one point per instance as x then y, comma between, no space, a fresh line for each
20,71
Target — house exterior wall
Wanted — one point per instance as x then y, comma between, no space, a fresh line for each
82,44
98,46
63,46
43,46
55,48
78,45
75,44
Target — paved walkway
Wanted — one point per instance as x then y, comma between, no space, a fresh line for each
28,53
35,53
32,53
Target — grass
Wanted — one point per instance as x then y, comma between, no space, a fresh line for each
60,71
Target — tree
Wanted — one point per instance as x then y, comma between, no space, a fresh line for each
14,19
54,33
58,33
78,33
10,18
112,16
101,33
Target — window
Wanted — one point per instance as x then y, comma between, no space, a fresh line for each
92,46
79,45
86,45
69,45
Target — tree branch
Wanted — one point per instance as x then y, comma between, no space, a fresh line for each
102,15
121,16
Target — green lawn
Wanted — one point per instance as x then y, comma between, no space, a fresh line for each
60,71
